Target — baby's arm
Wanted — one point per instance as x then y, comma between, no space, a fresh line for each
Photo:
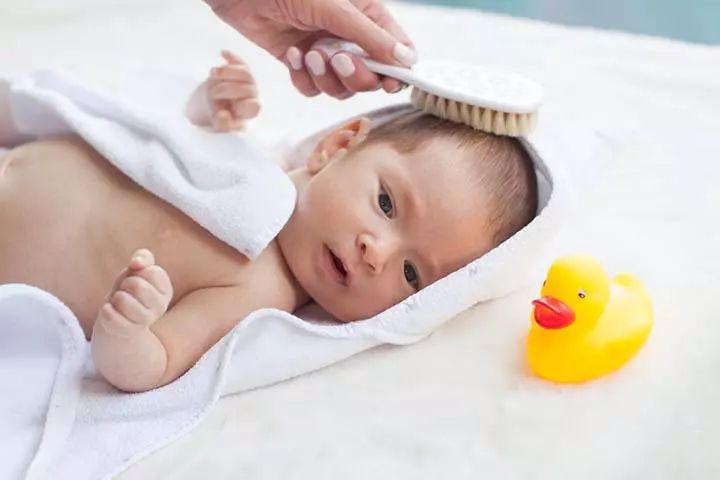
137,345
226,99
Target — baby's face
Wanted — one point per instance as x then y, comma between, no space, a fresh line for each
375,226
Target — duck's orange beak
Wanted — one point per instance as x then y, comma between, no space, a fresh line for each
552,314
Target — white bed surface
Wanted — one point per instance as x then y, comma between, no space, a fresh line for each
461,404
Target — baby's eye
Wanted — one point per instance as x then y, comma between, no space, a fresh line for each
411,275
385,203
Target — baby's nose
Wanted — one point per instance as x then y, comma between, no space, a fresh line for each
376,252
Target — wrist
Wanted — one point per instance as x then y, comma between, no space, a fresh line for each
197,109
249,18
230,10
221,4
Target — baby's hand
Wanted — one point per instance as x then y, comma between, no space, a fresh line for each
140,296
227,98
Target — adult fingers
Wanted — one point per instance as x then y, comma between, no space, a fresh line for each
368,29
325,80
377,12
392,85
301,78
353,74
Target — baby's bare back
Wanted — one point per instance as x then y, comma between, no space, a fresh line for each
70,222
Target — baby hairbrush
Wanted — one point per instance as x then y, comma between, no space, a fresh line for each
496,102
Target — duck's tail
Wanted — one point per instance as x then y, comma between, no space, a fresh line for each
629,281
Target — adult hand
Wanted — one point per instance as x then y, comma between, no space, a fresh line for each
288,28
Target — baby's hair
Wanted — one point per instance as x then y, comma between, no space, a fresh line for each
502,166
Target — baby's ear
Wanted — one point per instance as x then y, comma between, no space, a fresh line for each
337,143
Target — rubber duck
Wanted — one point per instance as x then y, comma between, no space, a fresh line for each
585,325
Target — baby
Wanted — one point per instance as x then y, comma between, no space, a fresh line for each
380,214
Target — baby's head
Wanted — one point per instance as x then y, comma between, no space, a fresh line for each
383,213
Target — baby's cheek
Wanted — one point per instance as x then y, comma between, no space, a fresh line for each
385,298
360,306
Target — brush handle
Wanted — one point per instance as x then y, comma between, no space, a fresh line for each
331,46
470,84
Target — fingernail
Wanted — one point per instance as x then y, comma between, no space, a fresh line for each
315,63
405,55
343,65
294,58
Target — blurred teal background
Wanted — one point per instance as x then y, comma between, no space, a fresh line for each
689,20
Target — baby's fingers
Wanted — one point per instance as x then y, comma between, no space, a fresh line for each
148,296
223,122
246,109
236,73
159,279
141,259
232,58
131,308
232,91
116,324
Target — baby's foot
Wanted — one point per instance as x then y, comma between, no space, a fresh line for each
140,296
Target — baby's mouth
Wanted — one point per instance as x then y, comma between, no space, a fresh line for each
339,270
339,266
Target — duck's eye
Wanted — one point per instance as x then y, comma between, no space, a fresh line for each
582,294
385,203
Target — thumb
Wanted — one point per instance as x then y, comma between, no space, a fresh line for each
373,30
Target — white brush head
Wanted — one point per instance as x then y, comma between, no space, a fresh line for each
478,86
487,99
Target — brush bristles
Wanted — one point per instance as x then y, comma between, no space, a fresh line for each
488,120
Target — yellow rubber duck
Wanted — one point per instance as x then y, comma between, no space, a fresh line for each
585,326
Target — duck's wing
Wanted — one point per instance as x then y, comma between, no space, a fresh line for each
631,303
630,342
635,297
